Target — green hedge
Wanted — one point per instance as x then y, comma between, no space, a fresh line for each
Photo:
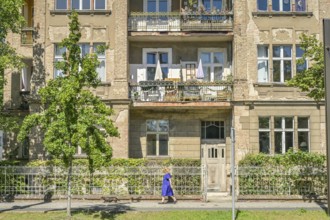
290,159
118,177
293,173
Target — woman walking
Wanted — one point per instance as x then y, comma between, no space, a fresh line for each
167,186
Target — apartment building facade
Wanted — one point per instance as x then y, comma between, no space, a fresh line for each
180,74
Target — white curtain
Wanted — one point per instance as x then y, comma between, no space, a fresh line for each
24,80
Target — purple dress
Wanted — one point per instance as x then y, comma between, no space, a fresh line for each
166,187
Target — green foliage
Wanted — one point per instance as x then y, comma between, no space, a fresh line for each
118,177
11,21
290,159
71,115
293,173
312,79
121,162
9,163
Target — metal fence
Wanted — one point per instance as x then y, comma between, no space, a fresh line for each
119,181
304,181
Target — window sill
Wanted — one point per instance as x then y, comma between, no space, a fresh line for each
158,157
270,84
282,14
80,156
81,12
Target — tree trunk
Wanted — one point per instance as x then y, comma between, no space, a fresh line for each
68,208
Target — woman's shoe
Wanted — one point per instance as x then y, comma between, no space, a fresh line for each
175,201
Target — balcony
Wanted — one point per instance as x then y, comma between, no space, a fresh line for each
180,21
27,35
189,91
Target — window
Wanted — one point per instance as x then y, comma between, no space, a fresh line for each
282,69
85,49
213,130
264,135
301,65
99,4
61,4
80,4
101,58
280,62
25,78
283,134
300,5
210,5
263,68
303,134
59,51
262,5
1,144
25,148
157,137
213,63
151,58
157,5
281,5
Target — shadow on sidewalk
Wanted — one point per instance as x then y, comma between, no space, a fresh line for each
106,210
16,207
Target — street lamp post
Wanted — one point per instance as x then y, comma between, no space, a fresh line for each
326,40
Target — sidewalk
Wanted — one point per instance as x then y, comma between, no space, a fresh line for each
120,206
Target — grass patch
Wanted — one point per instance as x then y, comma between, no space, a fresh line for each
301,214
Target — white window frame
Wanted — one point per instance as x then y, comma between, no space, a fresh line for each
105,5
212,65
81,4
200,2
58,58
145,51
281,5
1,145
281,59
145,5
304,130
268,130
284,130
101,57
262,59
66,8
157,133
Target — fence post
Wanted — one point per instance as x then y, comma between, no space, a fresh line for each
204,179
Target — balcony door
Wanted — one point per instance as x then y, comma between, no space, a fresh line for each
151,56
157,5
213,62
210,5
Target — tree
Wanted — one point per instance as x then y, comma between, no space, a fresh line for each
11,21
311,80
71,115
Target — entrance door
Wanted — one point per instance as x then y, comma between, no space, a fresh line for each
215,160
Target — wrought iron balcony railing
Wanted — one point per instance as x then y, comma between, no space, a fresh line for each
171,21
169,91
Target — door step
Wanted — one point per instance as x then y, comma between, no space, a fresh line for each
218,197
